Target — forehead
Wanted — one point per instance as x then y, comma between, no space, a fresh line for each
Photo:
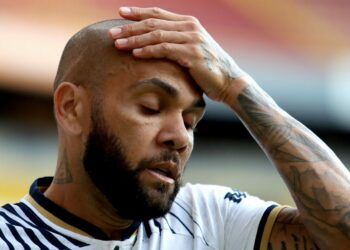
132,71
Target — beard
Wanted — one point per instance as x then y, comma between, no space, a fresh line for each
106,164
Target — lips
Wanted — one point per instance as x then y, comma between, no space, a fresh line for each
162,171
167,171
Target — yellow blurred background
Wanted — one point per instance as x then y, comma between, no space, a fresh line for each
299,51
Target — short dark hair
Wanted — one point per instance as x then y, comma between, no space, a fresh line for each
86,57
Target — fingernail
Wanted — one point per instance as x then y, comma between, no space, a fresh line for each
137,51
122,41
115,31
125,10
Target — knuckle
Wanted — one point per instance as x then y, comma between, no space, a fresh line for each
196,51
185,63
156,10
198,37
133,41
193,19
127,29
165,47
136,12
192,25
151,23
147,50
158,35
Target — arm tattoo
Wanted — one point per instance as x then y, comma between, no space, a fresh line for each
207,57
305,246
63,174
319,183
278,131
221,60
296,241
289,233
317,201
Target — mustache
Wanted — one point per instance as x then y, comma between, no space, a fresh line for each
164,156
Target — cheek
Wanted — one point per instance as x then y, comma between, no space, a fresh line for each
137,137
137,133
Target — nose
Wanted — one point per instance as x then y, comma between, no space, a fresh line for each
174,135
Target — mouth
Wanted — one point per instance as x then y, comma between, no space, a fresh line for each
164,171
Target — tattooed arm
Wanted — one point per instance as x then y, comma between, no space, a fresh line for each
317,180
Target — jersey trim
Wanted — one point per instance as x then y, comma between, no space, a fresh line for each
63,218
268,227
265,227
55,219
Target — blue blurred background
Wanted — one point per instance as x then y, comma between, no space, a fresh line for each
298,51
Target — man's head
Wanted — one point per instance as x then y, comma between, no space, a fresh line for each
125,124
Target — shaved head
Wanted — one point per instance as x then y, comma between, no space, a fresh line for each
89,55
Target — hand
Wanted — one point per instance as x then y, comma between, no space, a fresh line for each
163,34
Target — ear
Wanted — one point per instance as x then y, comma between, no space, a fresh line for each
71,107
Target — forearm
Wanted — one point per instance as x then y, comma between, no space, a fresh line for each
316,178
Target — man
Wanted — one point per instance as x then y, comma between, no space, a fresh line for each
125,120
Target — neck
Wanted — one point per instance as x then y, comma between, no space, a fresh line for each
81,198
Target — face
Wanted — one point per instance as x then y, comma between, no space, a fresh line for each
142,136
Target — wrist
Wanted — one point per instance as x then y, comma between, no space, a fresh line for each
234,88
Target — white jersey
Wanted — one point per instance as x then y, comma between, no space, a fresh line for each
201,217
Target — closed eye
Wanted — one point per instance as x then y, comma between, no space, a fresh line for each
149,111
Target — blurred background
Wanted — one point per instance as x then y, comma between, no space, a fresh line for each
299,52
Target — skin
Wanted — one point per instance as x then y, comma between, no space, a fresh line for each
161,107
316,178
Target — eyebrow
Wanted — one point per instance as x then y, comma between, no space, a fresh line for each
168,89
164,86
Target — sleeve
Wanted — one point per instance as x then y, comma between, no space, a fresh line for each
248,220
230,219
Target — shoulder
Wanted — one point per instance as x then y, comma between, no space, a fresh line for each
228,218
221,204
199,193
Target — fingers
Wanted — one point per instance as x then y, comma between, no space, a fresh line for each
149,25
137,14
185,56
160,34
155,37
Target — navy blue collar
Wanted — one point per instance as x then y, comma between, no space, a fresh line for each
37,194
